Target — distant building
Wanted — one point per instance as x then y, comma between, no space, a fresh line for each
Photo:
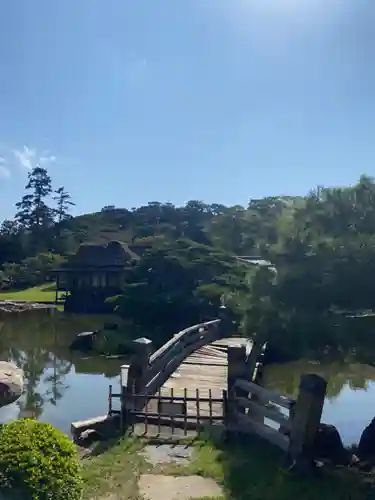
95,273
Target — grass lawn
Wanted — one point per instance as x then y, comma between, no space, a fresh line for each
250,470
41,293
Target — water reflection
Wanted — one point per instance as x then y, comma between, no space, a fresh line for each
60,387
350,402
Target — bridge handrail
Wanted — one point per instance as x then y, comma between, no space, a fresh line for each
166,359
177,338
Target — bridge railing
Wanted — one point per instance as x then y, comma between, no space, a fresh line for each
166,360
291,424
253,404
147,372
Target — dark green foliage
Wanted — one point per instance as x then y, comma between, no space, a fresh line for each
31,271
322,245
325,260
64,202
38,462
177,284
33,212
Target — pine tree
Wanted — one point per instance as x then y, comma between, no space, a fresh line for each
63,239
33,212
64,202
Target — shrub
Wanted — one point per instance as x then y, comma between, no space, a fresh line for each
38,461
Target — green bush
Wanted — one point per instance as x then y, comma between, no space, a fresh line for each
38,462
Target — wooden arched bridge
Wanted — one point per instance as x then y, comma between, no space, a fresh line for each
207,374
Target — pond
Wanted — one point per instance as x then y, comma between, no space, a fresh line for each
61,387
350,401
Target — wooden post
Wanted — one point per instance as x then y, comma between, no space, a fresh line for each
307,413
139,363
226,324
236,368
57,287
134,375
256,355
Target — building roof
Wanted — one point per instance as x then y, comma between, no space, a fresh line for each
114,253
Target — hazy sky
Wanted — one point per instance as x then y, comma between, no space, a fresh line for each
130,101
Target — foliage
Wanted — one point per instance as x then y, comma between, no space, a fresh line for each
33,213
325,261
322,245
251,468
64,202
178,283
31,271
38,462
247,469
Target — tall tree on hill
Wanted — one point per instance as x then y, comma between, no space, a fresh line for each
63,236
33,214
64,202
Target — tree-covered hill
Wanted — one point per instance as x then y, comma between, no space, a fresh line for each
322,245
42,223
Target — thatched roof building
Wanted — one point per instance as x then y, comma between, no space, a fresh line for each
113,254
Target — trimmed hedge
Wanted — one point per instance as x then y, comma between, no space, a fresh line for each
38,462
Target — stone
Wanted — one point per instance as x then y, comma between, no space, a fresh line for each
83,341
159,487
328,445
19,307
366,447
88,436
167,453
11,383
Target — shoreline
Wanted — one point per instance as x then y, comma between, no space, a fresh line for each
17,307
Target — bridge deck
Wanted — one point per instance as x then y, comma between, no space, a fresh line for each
206,370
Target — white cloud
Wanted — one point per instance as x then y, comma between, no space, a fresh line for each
28,158
25,157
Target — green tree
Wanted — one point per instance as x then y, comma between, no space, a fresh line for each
33,212
64,202
177,284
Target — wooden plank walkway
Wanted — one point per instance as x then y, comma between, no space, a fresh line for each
205,370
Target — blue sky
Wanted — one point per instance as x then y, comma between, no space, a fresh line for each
130,101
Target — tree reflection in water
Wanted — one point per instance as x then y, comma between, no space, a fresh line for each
39,345
350,392
285,378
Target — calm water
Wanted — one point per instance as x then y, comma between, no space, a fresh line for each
350,402
60,387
